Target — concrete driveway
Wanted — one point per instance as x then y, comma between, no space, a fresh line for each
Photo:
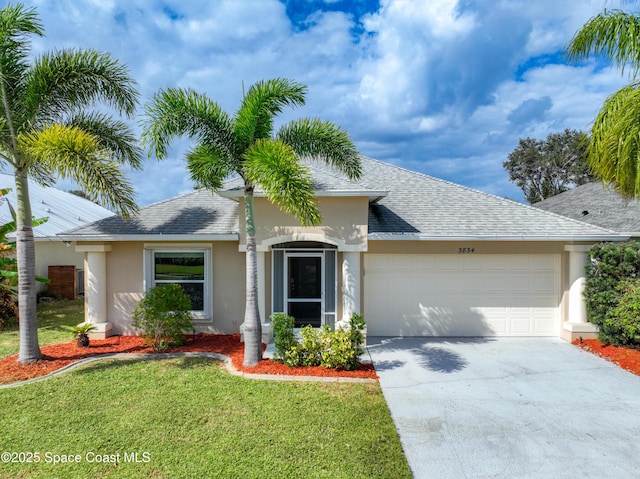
509,408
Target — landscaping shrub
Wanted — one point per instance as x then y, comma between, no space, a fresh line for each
339,349
163,315
284,338
612,265
8,309
623,321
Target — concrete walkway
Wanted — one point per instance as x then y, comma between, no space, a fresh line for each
509,408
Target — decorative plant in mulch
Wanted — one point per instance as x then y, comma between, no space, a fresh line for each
81,333
59,355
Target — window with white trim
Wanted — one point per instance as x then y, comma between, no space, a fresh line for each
188,268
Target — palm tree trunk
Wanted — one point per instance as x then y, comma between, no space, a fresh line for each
252,323
26,258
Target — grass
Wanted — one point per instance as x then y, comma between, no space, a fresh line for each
51,317
188,418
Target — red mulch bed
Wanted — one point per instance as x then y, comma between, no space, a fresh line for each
57,356
626,358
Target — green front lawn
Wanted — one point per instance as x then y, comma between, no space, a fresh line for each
189,418
51,317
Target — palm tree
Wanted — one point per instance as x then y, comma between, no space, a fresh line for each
47,130
246,145
613,153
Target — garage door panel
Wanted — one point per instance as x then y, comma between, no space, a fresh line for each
462,295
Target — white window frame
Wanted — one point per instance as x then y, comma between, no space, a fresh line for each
149,277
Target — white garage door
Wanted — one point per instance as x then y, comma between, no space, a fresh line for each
462,295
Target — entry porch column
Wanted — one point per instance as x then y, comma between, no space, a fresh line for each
350,286
95,260
576,324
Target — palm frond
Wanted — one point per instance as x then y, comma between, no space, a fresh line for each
614,35
17,25
263,101
274,166
113,135
614,150
175,112
73,153
68,80
208,166
325,141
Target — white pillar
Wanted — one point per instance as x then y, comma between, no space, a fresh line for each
95,291
350,284
575,325
577,310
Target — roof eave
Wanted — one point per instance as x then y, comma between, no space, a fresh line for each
523,237
152,237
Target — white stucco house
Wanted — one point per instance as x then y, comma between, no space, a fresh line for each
64,211
418,256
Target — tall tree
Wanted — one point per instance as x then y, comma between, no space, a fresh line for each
613,153
48,130
544,168
246,144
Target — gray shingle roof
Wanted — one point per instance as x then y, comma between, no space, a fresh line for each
197,213
596,204
427,207
416,206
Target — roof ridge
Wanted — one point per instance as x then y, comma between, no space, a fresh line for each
441,180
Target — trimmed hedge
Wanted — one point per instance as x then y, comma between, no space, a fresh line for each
608,274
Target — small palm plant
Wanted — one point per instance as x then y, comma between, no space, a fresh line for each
81,333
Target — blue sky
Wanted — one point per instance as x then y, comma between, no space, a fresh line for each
444,87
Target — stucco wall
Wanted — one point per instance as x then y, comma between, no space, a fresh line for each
125,280
228,283
125,285
343,219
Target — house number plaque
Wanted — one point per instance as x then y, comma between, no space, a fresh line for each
466,250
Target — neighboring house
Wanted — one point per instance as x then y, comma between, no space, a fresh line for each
418,256
64,210
598,205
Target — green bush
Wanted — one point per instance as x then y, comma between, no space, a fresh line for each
611,265
623,321
8,309
339,349
312,345
284,338
163,315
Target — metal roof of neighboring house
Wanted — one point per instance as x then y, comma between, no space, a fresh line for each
413,206
64,210
596,204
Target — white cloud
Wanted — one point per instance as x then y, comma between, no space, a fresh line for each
429,84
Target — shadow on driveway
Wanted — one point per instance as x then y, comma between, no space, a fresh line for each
508,408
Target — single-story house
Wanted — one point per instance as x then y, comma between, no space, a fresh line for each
597,204
418,256
64,211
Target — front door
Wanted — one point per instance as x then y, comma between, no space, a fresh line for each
304,288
